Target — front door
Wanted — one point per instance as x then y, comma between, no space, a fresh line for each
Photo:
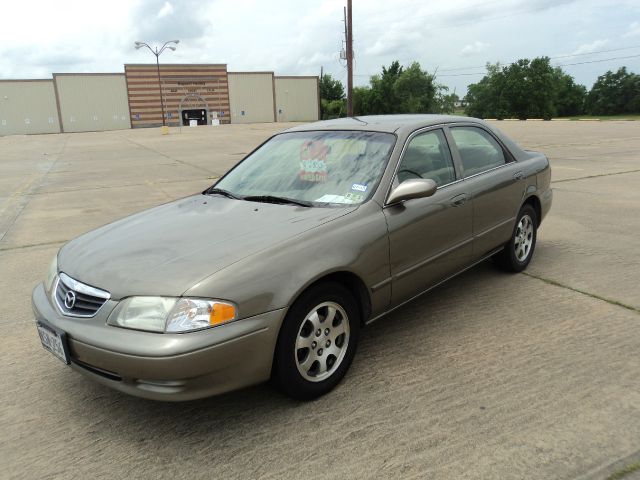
430,238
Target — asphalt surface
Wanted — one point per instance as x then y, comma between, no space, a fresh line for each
533,375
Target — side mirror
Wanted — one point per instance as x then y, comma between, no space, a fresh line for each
414,188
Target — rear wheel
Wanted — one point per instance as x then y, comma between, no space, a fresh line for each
518,251
317,341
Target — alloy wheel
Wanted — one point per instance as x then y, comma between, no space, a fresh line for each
322,341
523,238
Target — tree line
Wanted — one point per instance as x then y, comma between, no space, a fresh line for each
395,90
523,89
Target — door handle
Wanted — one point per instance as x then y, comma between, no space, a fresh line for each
459,200
518,175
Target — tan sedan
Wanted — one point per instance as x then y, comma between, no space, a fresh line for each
272,272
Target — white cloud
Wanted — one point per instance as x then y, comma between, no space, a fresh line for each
590,47
166,10
634,30
393,41
474,48
293,37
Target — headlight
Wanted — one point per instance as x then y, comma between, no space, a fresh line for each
51,274
165,314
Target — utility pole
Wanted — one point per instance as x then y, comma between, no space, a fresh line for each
349,60
319,87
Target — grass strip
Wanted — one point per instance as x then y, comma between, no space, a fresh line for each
588,294
623,472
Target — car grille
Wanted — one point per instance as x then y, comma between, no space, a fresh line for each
77,299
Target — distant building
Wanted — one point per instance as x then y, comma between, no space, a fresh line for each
192,93
460,103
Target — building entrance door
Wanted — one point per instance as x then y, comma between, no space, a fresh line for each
200,115
194,107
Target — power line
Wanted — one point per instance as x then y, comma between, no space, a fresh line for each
558,65
598,61
595,52
511,63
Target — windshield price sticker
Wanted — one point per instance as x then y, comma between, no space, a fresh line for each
313,165
313,170
359,188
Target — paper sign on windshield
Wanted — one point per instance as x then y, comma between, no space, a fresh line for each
313,165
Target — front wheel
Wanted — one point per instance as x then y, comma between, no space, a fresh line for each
518,251
317,341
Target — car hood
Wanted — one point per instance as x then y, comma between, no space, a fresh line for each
168,249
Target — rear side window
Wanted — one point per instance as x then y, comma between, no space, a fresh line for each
479,151
427,156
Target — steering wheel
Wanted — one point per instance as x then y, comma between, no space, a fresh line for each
409,171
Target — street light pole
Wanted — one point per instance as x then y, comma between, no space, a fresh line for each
157,52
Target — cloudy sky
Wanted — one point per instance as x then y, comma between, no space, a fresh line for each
294,37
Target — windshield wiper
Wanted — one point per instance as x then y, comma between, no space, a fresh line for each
220,191
276,199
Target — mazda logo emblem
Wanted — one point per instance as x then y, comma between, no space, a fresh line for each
70,300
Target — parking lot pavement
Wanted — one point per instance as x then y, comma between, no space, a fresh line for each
532,375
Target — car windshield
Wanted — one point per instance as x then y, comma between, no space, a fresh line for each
312,168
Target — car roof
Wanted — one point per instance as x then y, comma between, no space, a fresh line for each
383,123
404,125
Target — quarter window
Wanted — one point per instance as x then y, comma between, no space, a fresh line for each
479,151
427,156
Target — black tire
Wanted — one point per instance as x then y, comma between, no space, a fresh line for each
286,373
514,258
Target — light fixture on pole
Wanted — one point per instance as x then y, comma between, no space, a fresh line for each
157,52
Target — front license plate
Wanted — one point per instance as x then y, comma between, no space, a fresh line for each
54,342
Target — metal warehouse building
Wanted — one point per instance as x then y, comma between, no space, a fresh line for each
91,102
200,93
28,106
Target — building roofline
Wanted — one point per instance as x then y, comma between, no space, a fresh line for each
250,73
176,64
71,74
296,76
7,80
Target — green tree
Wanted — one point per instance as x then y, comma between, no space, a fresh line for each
485,99
615,93
333,109
400,90
570,96
362,100
525,89
529,88
382,98
415,90
331,89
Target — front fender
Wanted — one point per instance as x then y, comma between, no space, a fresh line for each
274,278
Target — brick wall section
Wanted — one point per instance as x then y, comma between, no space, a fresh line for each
209,81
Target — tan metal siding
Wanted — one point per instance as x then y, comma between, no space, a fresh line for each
28,106
92,102
296,99
208,81
251,97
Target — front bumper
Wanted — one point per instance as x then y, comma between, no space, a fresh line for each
171,367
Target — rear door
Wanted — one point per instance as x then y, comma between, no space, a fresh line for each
496,184
430,238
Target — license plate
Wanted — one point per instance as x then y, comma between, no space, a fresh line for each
54,342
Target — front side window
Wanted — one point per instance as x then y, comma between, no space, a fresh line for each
427,156
479,151
318,168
